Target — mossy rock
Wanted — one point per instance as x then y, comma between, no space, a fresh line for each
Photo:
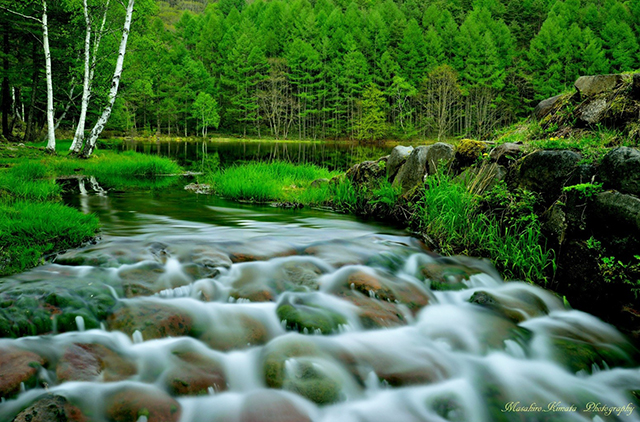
313,384
468,151
577,355
309,319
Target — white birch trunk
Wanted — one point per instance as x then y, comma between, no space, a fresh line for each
115,83
51,135
78,138
89,71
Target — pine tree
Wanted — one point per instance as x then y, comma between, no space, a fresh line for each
372,123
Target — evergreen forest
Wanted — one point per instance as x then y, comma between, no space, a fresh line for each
309,69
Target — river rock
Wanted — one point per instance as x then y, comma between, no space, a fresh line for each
396,159
545,107
620,169
296,365
51,408
517,309
151,318
389,290
17,367
195,374
271,406
299,313
412,172
592,85
93,362
129,403
615,210
367,173
439,154
234,331
297,275
547,172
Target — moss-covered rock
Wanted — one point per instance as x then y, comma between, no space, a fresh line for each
308,318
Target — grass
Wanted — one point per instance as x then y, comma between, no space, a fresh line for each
33,223
451,216
275,181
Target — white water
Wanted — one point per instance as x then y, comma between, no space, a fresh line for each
445,360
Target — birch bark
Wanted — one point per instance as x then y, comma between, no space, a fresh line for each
115,83
51,135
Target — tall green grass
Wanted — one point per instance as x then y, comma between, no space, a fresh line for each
29,180
29,230
450,215
264,182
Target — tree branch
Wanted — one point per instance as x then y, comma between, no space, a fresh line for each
21,15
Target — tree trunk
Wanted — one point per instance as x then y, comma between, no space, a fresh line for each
102,121
51,135
6,90
78,138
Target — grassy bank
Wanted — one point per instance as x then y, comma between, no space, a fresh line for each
443,210
33,222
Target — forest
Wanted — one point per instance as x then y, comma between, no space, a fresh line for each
305,69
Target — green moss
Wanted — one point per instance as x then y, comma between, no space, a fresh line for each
309,318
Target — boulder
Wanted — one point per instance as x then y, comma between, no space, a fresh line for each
547,172
412,172
616,210
544,107
271,406
300,313
17,367
152,319
367,173
620,170
93,362
468,151
51,408
592,85
439,154
195,374
396,159
506,153
130,403
594,111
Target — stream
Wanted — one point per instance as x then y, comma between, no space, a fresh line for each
194,309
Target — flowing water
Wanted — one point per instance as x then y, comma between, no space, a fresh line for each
194,309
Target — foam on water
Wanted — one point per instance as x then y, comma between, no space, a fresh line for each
379,329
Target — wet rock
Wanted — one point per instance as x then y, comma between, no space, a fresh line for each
592,85
338,253
51,408
195,374
298,275
209,257
298,366
516,309
412,172
258,250
233,332
130,403
93,362
506,153
17,367
445,274
198,272
367,173
547,171
579,355
396,159
388,290
374,313
620,170
153,320
271,406
439,154
616,211
306,317
142,280
545,107
199,188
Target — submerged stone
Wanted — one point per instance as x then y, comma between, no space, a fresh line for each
130,403
195,374
17,367
308,318
51,408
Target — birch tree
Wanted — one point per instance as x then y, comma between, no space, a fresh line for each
115,84
90,58
51,135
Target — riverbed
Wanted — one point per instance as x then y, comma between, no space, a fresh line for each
191,308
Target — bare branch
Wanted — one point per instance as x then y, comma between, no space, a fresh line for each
21,15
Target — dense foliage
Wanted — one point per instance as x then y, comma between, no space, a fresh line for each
327,68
